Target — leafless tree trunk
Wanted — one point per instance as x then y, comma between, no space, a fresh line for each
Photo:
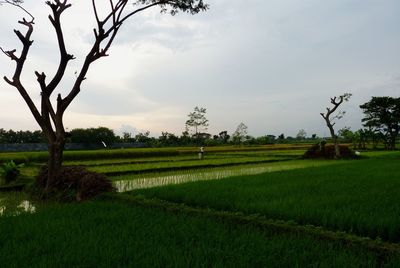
330,116
50,117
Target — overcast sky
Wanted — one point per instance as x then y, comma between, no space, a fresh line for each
272,64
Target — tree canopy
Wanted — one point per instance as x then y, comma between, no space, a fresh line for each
382,114
197,121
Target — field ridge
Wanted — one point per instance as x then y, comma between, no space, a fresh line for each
383,249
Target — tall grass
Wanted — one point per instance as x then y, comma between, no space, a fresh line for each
106,234
357,196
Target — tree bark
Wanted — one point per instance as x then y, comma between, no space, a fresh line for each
334,140
56,150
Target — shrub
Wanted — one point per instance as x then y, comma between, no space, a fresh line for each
11,171
75,183
320,150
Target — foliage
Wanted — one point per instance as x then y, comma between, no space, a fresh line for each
223,136
346,134
74,183
168,139
239,136
197,122
21,136
382,114
301,135
11,171
93,135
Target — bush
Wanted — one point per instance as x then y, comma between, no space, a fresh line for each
75,183
11,171
320,150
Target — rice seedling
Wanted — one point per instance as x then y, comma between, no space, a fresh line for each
112,233
356,196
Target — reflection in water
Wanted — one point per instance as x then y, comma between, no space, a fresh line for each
13,209
128,185
27,206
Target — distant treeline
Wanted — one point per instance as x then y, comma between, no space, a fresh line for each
101,135
21,136
105,135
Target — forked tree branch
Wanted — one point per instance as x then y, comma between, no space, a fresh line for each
17,3
58,8
101,35
105,34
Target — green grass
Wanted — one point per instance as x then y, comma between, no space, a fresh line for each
107,233
360,197
355,196
175,165
41,157
186,157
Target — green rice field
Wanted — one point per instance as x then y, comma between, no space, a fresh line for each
241,207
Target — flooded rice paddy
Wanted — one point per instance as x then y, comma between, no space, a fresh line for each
13,204
197,175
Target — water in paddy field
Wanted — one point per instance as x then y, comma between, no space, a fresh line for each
13,204
147,182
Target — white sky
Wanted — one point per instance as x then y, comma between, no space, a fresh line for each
272,64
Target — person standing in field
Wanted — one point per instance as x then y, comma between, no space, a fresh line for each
201,153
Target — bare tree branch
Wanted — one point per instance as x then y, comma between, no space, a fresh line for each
10,54
18,3
58,8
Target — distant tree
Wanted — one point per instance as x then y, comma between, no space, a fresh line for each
301,135
349,136
127,137
333,114
3,133
50,113
97,135
314,136
224,136
281,137
197,122
382,114
249,140
21,136
346,134
168,139
239,136
271,137
143,137
185,138
262,140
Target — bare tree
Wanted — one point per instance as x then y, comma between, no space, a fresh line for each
239,136
331,115
49,115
